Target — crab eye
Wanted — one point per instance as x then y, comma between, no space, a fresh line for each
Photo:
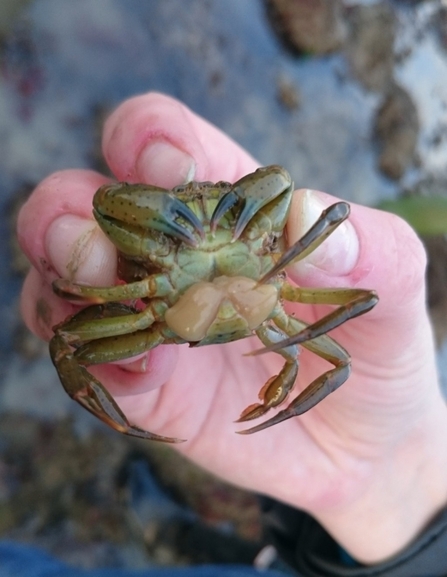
272,242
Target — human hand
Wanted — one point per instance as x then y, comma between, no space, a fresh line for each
370,459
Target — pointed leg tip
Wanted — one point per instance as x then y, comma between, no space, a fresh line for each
257,352
252,412
243,419
157,438
171,440
263,351
275,420
162,439
148,436
252,430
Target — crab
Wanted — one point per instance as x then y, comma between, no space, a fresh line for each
203,264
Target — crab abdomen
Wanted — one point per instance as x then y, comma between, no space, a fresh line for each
228,308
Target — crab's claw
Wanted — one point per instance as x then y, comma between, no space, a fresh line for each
253,192
135,207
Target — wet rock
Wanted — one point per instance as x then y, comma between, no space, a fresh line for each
9,10
60,488
440,26
369,48
397,128
287,93
68,494
308,26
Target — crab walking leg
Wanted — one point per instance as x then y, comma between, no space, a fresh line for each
81,386
110,319
325,347
276,389
117,348
353,303
156,285
329,220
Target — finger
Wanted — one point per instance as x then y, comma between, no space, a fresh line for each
154,138
372,250
40,308
57,232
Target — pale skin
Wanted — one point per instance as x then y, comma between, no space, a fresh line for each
370,462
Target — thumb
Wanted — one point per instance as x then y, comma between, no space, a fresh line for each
372,249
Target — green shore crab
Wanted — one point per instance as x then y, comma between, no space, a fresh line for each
203,264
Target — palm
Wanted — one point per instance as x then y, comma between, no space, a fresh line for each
328,446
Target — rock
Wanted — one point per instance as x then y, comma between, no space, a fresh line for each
370,43
309,26
397,128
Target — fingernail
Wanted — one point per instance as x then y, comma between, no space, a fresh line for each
339,253
79,251
138,364
164,165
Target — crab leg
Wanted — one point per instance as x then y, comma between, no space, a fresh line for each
329,220
84,388
323,385
353,303
107,320
95,323
116,348
276,390
156,285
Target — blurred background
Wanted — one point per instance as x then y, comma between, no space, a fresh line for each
350,96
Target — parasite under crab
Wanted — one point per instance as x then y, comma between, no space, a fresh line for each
203,264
